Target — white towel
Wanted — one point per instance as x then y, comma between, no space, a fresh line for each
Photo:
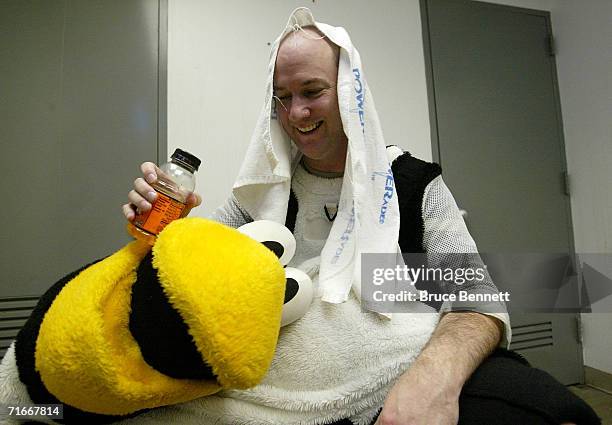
368,214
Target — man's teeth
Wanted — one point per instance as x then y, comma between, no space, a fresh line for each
309,128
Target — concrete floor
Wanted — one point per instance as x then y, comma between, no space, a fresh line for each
600,400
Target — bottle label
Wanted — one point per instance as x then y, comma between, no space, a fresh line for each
163,212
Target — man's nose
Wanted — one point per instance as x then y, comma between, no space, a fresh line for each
299,110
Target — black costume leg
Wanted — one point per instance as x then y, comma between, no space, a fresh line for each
505,389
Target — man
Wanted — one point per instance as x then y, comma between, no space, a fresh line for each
307,106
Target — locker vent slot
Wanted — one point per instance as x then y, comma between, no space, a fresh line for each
535,335
14,312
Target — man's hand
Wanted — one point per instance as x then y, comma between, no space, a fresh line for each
419,397
143,195
428,392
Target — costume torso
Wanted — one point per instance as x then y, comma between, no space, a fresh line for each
337,361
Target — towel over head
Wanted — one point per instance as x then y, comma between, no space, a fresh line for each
368,213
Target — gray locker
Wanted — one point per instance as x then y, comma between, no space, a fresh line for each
82,103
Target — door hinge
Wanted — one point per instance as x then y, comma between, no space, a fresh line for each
550,45
566,182
579,329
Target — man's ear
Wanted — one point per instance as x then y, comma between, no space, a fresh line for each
274,236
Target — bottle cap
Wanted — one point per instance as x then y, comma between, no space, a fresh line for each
186,158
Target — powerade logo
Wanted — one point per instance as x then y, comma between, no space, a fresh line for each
346,235
359,96
387,196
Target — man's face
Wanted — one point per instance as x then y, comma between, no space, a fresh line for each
305,79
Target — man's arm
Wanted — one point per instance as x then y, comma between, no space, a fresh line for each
428,392
448,244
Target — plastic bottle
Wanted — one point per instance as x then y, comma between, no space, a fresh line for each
175,182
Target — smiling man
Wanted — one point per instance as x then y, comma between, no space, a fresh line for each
305,79
339,364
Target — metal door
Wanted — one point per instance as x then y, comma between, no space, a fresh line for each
497,133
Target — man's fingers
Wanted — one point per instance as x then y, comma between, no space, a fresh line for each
143,195
149,171
138,201
128,211
145,190
152,172
194,200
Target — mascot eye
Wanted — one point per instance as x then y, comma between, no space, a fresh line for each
275,247
298,295
291,289
276,237
280,240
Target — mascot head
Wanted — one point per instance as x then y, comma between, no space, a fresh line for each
199,312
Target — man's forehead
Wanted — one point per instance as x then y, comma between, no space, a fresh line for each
305,83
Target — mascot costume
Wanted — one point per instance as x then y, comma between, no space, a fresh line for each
144,335
189,332
144,328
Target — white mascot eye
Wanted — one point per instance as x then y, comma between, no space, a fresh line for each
280,240
298,295
274,236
